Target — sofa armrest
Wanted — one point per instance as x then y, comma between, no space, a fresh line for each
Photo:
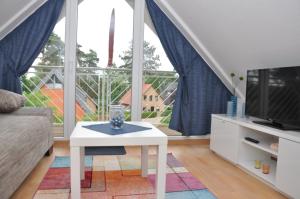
29,111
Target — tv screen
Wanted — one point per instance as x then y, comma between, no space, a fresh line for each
274,95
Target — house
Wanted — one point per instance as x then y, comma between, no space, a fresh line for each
52,86
152,100
225,77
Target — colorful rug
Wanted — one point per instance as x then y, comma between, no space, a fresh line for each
118,177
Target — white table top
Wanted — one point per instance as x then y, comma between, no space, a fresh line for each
85,137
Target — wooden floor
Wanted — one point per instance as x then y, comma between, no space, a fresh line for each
222,178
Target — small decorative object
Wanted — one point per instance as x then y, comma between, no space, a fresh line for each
274,158
116,116
274,146
266,168
234,105
234,98
230,108
257,164
240,111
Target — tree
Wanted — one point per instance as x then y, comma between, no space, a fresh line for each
89,59
52,53
151,60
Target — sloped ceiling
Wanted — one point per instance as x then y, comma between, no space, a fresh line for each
235,35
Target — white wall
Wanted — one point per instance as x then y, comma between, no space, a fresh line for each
235,35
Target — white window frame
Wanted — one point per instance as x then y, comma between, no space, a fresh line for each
137,68
70,64
70,67
138,60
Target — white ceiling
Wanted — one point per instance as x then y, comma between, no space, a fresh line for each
231,35
235,35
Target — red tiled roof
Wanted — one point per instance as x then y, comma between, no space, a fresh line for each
126,99
57,102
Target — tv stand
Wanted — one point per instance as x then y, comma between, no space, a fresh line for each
228,141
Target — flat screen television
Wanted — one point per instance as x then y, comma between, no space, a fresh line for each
274,96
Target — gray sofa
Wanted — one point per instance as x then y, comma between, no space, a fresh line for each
25,137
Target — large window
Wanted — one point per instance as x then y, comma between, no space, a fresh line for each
104,66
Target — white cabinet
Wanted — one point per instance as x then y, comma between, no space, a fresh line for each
228,140
224,139
288,168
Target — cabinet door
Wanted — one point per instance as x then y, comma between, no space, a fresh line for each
224,139
288,168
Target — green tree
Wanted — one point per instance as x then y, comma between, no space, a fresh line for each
52,53
89,59
151,59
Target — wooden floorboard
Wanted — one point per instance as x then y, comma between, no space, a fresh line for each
222,178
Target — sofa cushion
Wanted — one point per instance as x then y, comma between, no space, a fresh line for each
34,111
10,101
19,135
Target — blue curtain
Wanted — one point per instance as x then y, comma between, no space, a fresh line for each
19,49
200,92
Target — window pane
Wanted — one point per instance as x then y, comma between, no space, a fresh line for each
43,84
104,56
160,81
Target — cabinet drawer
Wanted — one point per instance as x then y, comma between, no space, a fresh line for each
224,139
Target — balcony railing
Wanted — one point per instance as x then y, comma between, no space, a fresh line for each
96,89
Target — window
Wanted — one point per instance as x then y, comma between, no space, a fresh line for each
43,85
150,98
160,74
97,84
145,97
152,108
144,108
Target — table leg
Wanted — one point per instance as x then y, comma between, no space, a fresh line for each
82,163
161,165
144,160
75,172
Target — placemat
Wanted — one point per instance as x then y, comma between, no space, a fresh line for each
106,128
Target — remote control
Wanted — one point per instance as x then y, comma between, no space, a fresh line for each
251,140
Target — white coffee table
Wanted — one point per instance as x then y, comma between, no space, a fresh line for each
82,137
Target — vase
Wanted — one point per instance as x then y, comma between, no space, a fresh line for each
116,116
234,105
230,109
240,110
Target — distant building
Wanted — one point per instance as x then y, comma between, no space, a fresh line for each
152,101
52,86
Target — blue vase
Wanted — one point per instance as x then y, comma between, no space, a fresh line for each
234,105
229,109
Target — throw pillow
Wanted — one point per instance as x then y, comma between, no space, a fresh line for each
10,101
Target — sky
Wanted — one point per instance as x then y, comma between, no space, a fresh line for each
93,30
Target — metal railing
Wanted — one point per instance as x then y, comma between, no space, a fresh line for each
97,88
